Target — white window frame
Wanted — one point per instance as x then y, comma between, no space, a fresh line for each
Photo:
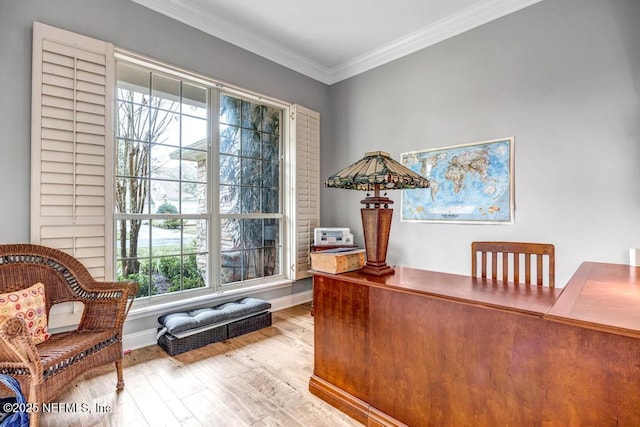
214,288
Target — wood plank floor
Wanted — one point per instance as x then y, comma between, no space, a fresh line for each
258,379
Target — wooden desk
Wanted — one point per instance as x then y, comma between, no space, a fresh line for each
427,348
601,296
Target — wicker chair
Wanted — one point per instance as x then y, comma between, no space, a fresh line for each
45,369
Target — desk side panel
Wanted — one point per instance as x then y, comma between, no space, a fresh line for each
341,325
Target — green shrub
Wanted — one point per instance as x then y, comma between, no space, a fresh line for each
167,267
167,207
172,223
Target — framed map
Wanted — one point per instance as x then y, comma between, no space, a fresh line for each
471,183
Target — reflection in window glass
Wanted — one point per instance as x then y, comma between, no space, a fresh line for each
255,254
250,185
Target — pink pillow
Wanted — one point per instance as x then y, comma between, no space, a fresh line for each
28,304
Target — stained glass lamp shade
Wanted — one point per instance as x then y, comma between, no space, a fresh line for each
374,172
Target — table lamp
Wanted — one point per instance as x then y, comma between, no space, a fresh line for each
376,171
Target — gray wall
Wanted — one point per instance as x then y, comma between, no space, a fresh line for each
133,27
562,77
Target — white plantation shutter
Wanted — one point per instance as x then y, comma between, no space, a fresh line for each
71,171
306,146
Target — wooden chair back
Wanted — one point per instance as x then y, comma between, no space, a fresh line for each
509,261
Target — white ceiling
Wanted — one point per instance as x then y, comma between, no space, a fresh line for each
331,40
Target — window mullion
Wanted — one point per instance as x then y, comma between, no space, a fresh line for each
214,188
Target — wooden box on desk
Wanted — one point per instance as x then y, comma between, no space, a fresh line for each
337,260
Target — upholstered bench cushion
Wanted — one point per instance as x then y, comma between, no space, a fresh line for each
178,323
193,329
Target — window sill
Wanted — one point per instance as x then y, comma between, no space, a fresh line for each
201,300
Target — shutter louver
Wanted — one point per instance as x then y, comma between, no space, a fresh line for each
71,128
307,149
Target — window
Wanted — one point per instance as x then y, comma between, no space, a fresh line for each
190,186
250,202
161,189
164,191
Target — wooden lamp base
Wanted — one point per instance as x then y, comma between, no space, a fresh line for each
376,225
377,271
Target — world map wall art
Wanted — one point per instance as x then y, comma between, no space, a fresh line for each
470,183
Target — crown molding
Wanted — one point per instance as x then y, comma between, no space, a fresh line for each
186,13
455,24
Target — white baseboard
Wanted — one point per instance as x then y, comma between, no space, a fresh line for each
136,340
139,339
291,300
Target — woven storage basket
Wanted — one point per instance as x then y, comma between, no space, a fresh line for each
173,345
249,324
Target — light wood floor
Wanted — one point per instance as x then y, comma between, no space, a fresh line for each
258,379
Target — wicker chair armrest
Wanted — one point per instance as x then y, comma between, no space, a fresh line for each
127,288
16,347
107,304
